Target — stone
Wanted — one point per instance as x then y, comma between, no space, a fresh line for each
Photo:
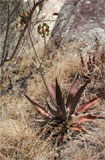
83,21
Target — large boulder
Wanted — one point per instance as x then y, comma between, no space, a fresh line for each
81,21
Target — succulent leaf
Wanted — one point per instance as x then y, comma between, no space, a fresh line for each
88,117
83,107
38,107
76,98
73,91
60,100
75,127
54,112
60,112
52,93
51,90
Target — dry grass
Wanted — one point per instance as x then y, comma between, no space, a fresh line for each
18,132
19,142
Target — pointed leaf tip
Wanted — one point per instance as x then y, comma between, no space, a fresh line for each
73,100
88,117
52,94
38,107
60,100
83,107
52,110
73,90
51,90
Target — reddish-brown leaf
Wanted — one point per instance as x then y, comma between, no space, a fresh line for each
51,90
82,61
60,100
75,127
52,110
52,94
38,107
73,91
83,107
77,97
88,117
60,138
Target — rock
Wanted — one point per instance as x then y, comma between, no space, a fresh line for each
48,14
15,8
83,21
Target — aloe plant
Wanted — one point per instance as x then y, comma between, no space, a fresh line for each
59,111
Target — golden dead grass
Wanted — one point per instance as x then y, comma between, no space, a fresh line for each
17,139
18,132
19,142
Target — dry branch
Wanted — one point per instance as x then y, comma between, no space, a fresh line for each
23,32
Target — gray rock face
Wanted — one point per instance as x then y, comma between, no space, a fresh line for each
15,8
14,11
82,21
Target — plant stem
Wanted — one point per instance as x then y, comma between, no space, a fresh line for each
44,46
38,59
40,66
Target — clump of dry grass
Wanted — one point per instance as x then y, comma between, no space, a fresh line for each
18,139
19,142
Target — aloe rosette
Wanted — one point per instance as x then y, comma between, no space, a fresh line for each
60,111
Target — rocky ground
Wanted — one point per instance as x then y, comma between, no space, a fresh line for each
19,138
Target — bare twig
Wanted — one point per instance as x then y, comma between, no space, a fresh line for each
51,20
11,15
4,60
6,36
38,59
5,53
15,7
24,30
